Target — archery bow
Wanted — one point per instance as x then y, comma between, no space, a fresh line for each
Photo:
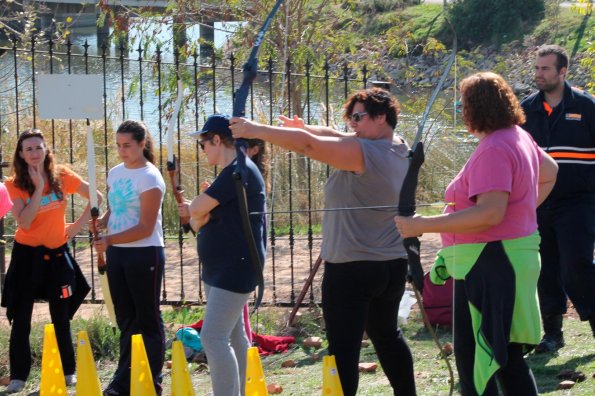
173,164
240,173
93,202
407,205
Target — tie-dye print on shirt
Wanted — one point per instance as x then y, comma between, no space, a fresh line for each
124,202
126,187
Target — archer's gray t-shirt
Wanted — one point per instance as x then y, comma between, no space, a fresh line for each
365,234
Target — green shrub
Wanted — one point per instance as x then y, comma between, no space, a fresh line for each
105,340
494,21
180,316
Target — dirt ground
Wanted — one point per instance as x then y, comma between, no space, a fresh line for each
286,270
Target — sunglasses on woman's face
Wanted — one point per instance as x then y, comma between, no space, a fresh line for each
202,142
357,117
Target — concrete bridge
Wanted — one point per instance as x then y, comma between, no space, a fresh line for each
127,3
84,13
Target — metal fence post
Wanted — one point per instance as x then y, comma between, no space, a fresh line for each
33,79
309,167
51,55
290,186
140,78
272,192
180,230
16,83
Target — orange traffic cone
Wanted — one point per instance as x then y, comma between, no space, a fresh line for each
181,385
141,379
255,383
88,381
52,375
331,385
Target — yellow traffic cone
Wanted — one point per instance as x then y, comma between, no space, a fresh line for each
255,383
331,385
87,382
52,375
181,385
141,379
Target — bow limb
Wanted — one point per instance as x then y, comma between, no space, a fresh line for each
173,164
93,202
407,205
240,173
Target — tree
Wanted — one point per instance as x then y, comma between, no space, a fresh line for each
20,19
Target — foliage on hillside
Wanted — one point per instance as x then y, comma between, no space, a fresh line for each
480,22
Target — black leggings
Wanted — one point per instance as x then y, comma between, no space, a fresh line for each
515,378
365,295
20,348
135,275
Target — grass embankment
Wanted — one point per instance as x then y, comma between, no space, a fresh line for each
306,378
561,25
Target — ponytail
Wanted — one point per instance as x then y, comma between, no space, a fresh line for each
139,132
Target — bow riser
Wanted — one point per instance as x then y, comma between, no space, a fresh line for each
406,205
240,173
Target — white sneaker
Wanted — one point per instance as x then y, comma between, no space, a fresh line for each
70,379
15,386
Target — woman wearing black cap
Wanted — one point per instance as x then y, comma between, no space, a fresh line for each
365,261
227,270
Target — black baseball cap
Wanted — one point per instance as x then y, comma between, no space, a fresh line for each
216,123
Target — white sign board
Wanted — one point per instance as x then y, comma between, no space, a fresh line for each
70,96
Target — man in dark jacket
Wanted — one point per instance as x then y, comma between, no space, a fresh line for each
561,119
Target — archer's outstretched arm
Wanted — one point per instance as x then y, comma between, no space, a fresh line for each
343,153
318,130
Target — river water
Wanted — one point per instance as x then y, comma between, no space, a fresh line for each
122,80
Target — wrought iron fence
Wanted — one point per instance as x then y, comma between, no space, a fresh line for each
140,85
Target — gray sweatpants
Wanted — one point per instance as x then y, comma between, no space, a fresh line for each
225,342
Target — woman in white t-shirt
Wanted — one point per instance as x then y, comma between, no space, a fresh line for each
134,251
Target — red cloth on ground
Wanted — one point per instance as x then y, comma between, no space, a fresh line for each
267,344
197,325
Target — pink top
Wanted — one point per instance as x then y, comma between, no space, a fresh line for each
5,202
505,160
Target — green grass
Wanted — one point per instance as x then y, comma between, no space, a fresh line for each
179,315
415,19
578,355
306,378
430,210
569,29
298,229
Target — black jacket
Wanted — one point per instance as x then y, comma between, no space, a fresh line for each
568,135
45,274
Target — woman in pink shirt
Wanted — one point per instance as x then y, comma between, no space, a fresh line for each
490,239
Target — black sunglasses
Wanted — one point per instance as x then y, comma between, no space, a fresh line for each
357,117
202,142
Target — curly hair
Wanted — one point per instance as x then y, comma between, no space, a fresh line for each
139,132
20,169
489,103
377,102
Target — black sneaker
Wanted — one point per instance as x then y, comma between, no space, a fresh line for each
550,344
